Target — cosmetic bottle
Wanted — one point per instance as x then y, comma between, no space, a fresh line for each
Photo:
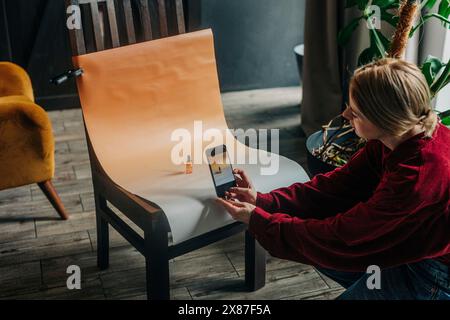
189,165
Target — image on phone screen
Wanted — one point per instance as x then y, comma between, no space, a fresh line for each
221,169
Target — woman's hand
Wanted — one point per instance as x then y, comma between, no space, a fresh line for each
240,211
244,192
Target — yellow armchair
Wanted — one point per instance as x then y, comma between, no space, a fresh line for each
26,138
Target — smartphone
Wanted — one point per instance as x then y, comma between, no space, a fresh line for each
221,169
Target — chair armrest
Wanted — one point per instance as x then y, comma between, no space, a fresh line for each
14,81
31,120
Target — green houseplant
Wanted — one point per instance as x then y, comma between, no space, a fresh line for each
335,145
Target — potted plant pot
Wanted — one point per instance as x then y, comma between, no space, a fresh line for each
314,141
299,52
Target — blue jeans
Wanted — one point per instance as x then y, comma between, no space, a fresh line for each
424,280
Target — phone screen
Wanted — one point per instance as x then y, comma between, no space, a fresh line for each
221,169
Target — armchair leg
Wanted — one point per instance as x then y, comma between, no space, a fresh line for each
255,263
49,190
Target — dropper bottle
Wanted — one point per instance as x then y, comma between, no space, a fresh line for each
189,165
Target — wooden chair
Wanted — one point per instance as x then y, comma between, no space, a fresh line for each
112,26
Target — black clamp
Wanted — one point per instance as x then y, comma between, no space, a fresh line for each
66,76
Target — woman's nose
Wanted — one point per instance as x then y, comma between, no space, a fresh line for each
347,114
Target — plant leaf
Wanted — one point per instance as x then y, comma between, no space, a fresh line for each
427,17
444,11
367,56
362,4
441,81
444,8
430,68
444,114
428,4
387,4
346,33
446,82
389,18
377,42
446,121
445,117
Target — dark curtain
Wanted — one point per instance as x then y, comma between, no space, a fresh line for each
322,83
327,66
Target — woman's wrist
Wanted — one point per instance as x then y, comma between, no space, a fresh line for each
264,200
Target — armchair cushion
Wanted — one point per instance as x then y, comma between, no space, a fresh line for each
14,81
26,142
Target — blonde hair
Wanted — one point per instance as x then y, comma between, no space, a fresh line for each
394,95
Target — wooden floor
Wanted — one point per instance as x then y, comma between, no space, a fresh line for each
36,248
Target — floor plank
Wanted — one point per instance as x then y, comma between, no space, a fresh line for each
24,277
281,283
12,253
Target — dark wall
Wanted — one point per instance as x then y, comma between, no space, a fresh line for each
35,37
255,40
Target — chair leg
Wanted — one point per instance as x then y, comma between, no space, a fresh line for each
255,263
102,234
49,190
157,264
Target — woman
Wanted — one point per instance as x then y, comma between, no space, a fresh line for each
388,206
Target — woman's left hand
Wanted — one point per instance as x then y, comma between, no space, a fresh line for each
240,211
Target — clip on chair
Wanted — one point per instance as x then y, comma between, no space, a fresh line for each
133,98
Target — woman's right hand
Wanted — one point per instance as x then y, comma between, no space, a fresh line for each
244,192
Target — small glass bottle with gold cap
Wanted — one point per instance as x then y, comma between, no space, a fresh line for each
189,165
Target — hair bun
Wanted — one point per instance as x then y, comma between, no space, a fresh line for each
429,120
424,116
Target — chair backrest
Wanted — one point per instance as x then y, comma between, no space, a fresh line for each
112,23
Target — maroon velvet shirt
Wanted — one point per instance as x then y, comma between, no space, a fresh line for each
383,208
